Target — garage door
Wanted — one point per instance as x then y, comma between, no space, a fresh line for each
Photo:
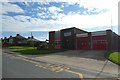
99,42
83,43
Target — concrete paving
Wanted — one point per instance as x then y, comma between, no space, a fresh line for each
92,60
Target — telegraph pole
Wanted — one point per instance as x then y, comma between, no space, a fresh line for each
111,33
32,42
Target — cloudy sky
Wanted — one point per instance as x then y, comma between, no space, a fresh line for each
48,15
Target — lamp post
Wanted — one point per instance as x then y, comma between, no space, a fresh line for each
32,40
111,33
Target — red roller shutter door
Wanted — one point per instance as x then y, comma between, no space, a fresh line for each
83,43
99,42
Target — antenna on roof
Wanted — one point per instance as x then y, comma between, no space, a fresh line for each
111,33
111,22
31,34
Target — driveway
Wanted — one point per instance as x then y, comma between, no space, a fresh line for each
91,60
91,54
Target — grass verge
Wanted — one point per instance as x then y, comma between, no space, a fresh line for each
114,57
32,50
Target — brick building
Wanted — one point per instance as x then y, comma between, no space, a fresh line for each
74,38
19,40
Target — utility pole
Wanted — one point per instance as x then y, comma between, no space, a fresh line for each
32,42
111,33
111,22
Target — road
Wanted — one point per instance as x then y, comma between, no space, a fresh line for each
17,67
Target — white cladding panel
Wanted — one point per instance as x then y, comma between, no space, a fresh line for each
98,33
67,34
82,35
57,33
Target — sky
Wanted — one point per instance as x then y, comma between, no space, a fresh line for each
42,16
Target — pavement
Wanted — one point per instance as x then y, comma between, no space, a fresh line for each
87,60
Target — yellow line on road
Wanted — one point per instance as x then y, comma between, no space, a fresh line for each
80,74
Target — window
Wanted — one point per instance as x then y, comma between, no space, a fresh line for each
67,34
99,41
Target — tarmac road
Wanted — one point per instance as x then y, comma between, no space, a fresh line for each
15,67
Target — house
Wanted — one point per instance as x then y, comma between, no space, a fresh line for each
32,41
11,40
5,41
19,40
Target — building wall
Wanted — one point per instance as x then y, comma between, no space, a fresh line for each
118,49
68,37
109,45
57,40
100,40
51,39
113,41
92,41
74,38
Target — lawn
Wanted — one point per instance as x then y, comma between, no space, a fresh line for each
33,50
114,57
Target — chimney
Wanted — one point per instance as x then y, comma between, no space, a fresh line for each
18,34
5,37
28,37
10,36
32,37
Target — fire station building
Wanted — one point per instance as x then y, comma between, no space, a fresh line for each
74,38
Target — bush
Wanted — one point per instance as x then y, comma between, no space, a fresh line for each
114,57
40,47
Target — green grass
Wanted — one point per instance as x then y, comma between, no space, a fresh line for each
20,47
32,50
114,57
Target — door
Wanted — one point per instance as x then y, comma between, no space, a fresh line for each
99,43
83,43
